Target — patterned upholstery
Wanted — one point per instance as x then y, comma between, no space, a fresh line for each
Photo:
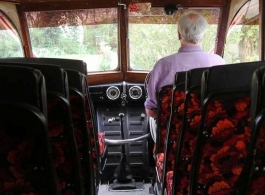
82,106
25,146
25,155
77,105
224,134
169,182
63,145
253,172
189,131
173,127
159,165
257,175
164,107
163,114
101,143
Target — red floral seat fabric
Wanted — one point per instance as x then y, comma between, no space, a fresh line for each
102,143
226,135
159,165
164,106
169,182
175,124
257,177
77,105
187,146
91,132
26,162
63,149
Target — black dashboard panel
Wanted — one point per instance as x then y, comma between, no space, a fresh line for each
114,94
111,100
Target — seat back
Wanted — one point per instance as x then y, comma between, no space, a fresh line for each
188,133
78,65
163,113
252,177
174,126
25,85
26,160
55,77
224,133
77,93
60,125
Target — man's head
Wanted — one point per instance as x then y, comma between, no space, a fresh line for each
191,27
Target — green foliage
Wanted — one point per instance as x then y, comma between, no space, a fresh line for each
9,46
242,44
150,42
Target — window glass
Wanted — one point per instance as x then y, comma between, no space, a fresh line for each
153,35
10,43
243,36
90,35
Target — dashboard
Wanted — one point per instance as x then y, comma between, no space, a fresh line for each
110,101
123,93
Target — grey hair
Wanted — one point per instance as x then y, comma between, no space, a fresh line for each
192,26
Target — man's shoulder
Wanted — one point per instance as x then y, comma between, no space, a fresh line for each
165,60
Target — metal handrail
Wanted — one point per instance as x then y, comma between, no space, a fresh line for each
125,141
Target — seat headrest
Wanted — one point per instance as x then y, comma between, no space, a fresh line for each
180,77
54,75
76,80
22,84
230,77
194,77
78,65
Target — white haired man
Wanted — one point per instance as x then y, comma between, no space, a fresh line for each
192,27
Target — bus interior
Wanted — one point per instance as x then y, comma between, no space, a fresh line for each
73,82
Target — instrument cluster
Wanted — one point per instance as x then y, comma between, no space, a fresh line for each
117,92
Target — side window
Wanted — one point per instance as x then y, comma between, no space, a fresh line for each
243,35
10,43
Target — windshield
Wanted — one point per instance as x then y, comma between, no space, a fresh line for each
153,35
90,35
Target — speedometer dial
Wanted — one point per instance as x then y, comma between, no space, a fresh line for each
113,93
135,92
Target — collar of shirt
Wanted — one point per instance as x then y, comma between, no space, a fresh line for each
190,48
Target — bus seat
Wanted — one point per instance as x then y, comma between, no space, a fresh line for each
163,113
24,131
60,125
26,158
224,134
253,177
78,65
188,133
55,77
172,129
22,84
84,134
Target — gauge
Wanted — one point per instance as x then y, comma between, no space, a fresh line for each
113,93
135,92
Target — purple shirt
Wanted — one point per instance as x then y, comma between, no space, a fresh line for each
188,57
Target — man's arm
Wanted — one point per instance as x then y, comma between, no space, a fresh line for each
151,113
